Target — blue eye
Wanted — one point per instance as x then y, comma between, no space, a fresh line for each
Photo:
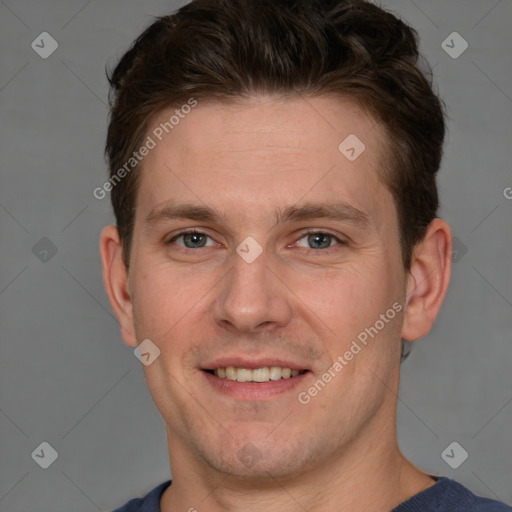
313,240
191,239
319,240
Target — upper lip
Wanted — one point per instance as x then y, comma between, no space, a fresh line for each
243,362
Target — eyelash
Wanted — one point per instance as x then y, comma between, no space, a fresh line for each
302,235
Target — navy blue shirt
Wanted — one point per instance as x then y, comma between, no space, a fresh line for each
446,495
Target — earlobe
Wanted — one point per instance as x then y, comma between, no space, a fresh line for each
115,280
428,280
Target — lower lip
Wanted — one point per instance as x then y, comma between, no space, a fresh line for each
254,390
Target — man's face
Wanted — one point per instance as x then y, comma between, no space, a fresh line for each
317,284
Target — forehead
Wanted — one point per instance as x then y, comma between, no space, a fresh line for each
264,152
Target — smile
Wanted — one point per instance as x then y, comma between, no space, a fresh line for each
264,374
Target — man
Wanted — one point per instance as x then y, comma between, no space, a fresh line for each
273,176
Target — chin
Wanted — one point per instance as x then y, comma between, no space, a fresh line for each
259,458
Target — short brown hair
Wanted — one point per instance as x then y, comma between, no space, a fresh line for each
229,49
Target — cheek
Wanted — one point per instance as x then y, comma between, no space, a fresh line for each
352,288
166,300
343,302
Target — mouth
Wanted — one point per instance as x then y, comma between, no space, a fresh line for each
254,381
255,375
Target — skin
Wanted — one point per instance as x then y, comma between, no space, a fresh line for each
297,301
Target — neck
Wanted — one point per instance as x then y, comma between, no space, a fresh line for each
372,475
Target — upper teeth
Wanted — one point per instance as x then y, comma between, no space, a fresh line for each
255,375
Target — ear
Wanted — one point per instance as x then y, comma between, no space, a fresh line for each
115,280
428,280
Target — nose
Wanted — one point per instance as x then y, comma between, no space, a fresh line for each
252,298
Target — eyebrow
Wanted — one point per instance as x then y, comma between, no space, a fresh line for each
334,211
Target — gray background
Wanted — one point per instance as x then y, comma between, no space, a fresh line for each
65,375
